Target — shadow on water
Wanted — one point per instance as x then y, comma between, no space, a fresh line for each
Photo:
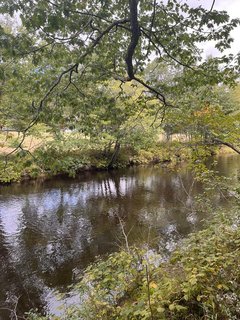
49,232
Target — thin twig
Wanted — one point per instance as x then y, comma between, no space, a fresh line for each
149,294
124,233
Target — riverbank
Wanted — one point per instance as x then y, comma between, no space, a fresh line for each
51,162
200,281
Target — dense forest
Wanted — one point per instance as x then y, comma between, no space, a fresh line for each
104,85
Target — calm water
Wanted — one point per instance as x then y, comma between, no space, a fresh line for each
49,232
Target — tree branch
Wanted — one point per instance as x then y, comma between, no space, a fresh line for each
147,33
158,94
70,70
231,146
99,38
135,30
212,6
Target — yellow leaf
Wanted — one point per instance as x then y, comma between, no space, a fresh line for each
199,298
153,285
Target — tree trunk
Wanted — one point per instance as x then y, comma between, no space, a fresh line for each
115,154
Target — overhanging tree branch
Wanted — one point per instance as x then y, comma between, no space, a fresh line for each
231,146
135,35
99,38
70,70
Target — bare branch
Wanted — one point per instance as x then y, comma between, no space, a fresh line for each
147,33
124,233
34,50
213,3
158,94
148,292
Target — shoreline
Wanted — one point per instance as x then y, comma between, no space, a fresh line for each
170,162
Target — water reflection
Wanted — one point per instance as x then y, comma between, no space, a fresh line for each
49,232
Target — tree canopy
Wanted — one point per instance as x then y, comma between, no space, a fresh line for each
110,68
116,39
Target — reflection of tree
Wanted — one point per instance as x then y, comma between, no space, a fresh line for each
12,283
53,243
6,273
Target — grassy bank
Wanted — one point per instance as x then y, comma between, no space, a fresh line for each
200,281
45,155
64,159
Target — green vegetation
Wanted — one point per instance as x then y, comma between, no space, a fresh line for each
117,139
106,84
88,68
71,156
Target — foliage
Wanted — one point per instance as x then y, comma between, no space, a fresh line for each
19,167
10,172
205,114
69,156
85,66
69,63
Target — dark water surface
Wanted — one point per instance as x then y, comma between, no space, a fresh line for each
49,232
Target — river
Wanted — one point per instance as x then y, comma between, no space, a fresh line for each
50,231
